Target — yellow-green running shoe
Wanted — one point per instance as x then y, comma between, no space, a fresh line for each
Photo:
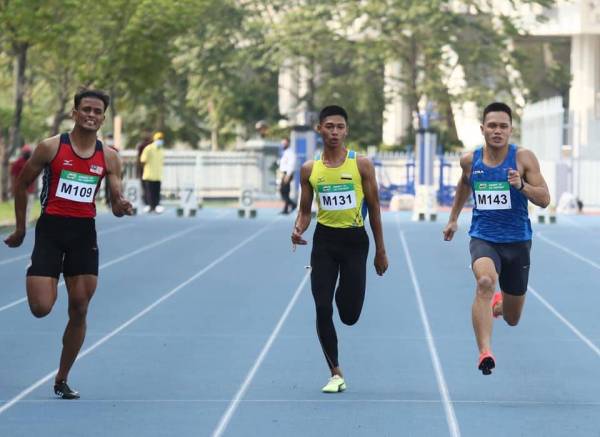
336,384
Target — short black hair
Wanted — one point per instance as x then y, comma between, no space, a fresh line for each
86,92
497,107
330,110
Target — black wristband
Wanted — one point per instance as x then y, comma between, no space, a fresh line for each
522,185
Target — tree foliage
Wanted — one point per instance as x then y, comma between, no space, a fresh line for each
207,70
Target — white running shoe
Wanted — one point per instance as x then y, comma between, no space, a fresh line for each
336,384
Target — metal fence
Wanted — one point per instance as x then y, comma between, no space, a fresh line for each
212,174
225,174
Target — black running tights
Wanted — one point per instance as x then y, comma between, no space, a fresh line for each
337,253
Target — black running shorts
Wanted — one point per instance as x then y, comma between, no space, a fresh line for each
510,259
64,244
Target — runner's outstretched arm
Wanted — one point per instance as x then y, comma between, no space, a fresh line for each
306,199
41,155
120,205
463,190
369,183
532,184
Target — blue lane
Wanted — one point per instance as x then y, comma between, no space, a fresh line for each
540,364
391,384
26,335
174,371
116,238
193,348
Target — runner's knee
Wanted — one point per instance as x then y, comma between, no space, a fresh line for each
511,320
485,285
39,309
349,318
78,309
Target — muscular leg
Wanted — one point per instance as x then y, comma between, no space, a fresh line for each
513,282
486,278
41,294
510,308
80,289
350,294
323,278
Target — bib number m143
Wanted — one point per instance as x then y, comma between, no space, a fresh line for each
492,195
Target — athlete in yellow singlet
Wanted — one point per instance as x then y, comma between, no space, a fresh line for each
345,189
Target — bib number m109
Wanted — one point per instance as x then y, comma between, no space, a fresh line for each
337,197
492,195
76,186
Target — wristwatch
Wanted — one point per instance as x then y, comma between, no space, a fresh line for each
522,185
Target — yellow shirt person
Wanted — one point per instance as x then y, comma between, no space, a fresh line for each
152,158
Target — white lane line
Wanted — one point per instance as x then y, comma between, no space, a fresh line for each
321,400
146,310
563,319
119,259
27,255
226,418
576,224
567,250
439,373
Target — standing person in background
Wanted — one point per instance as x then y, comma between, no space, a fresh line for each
15,170
153,157
145,141
287,165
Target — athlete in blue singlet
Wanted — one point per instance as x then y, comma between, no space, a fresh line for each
502,178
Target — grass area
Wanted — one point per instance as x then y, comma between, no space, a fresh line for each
7,212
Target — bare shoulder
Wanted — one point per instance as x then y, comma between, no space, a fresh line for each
525,155
112,159
109,152
364,161
307,167
466,160
47,148
365,165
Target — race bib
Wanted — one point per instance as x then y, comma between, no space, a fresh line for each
337,197
492,195
76,186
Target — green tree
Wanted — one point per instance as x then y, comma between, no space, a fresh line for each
421,35
26,24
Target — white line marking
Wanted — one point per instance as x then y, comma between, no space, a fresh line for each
119,259
439,373
576,224
569,325
328,400
263,353
146,310
114,261
569,251
12,304
27,255
16,258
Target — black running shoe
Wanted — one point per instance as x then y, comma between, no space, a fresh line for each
486,362
64,391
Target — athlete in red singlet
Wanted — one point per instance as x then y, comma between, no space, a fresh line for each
65,235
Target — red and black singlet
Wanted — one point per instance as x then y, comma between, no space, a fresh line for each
70,182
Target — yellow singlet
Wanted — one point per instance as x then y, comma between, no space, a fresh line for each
339,193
